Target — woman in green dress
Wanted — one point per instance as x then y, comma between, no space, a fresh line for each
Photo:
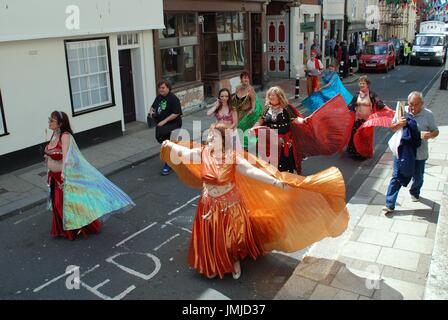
247,106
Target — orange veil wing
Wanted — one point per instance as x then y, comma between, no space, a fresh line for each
187,171
311,209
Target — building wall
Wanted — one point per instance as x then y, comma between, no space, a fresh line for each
34,82
25,19
297,36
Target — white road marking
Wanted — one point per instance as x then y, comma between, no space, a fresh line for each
135,234
133,272
184,205
29,217
165,242
169,222
103,296
101,284
46,284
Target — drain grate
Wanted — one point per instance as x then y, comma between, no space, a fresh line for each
42,174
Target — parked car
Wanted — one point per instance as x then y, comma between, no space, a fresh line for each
399,50
378,56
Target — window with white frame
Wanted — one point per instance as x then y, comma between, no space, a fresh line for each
126,39
3,130
90,74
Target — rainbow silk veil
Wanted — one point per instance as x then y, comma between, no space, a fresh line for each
88,194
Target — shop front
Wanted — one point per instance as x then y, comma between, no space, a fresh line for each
207,44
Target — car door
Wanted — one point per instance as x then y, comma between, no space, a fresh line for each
391,55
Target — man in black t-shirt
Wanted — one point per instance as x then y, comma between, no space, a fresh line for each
167,112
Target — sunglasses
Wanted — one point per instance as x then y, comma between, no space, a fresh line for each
52,120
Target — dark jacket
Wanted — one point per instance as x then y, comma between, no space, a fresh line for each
407,151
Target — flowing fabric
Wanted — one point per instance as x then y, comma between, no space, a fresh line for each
88,195
319,98
363,139
327,130
255,217
248,122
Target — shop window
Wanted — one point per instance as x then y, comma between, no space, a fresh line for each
232,55
178,25
178,45
178,64
231,34
88,63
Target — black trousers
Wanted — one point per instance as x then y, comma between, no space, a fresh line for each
164,132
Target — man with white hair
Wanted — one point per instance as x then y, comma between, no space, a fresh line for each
428,130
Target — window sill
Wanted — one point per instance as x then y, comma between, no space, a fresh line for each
79,113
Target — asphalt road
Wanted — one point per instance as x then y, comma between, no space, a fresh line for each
142,254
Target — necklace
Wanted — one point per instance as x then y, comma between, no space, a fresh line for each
275,112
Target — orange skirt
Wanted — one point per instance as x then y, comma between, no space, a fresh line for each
222,234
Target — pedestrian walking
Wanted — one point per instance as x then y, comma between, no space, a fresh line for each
167,112
427,126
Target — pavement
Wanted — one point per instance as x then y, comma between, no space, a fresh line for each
401,256
23,189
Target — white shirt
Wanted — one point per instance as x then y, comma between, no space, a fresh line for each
311,67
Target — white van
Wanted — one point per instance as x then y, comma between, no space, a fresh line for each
429,47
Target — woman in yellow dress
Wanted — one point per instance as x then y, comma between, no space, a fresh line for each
287,212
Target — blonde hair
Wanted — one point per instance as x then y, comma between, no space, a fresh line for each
280,94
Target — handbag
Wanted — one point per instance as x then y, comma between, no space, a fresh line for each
150,121
394,142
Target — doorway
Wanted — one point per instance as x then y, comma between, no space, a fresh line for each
257,49
127,85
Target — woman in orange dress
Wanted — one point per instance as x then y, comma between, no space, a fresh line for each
286,213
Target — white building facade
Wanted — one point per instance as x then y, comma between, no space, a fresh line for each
92,59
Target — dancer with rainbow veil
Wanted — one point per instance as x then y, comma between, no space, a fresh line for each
79,195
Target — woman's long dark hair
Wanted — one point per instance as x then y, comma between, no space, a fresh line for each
220,103
63,121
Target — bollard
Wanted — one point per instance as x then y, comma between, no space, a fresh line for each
351,67
444,80
341,70
297,86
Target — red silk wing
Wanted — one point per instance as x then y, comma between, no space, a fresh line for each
364,136
327,131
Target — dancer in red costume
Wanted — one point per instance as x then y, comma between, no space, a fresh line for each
369,112
324,132
54,151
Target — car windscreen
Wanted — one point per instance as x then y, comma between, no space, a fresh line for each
396,43
429,41
371,49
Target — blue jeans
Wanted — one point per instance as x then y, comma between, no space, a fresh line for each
395,186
